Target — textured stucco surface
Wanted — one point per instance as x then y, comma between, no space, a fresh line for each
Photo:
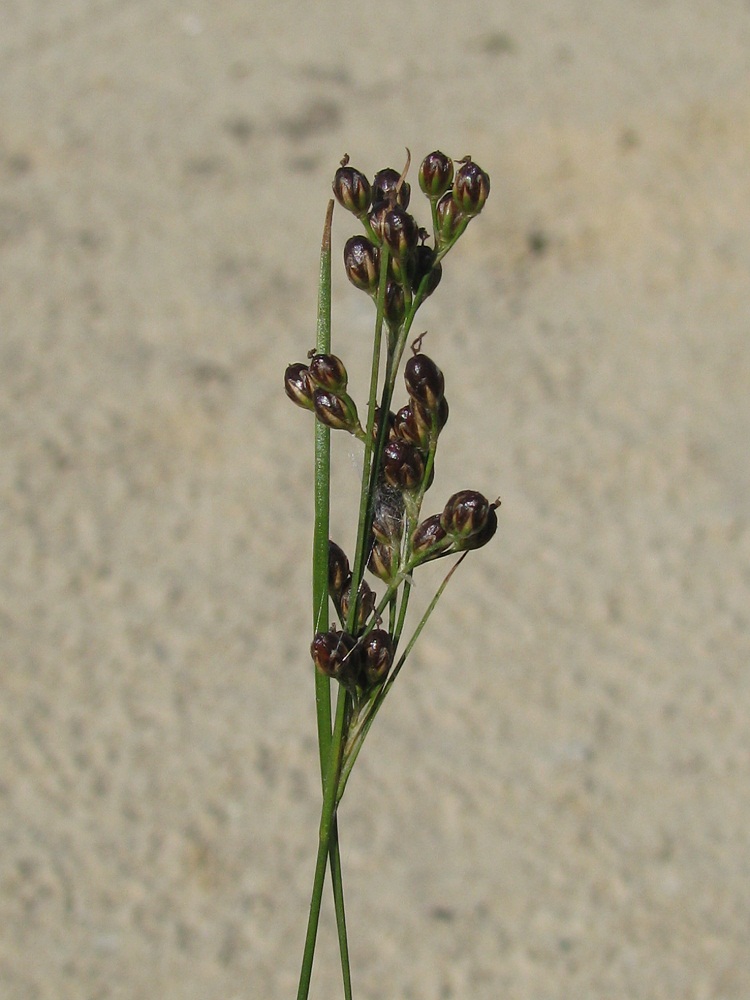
556,803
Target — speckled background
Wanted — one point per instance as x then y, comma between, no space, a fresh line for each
555,804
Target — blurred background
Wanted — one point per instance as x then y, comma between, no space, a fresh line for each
555,803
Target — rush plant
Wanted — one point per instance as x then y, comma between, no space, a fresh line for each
359,633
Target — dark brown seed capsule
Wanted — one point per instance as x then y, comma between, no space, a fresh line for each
430,539
381,561
378,213
361,263
465,514
339,574
365,604
398,231
298,385
352,189
424,380
403,466
424,265
408,428
450,219
328,372
376,656
376,424
435,174
483,536
471,188
424,417
395,303
337,412
335,654
385,188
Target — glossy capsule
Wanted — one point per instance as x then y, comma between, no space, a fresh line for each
430,539
335,654
424,381
385,188
465,513
436,174
399,231
352,189
403,465
328,372
376,656
339,574
337,412
298,385
450,219
471,188
361,263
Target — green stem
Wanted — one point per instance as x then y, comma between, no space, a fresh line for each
334,852
326,833
356,739
320,609
322,501
406,592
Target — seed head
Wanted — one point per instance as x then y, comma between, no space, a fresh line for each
328,372
465,514
483,536
376,656
339,574
424,417
365,604
381,561
298,385
352,189
361,263
399,231
403,465
435,174
409,428
385,188
471,187
337,412
450,218
335,654
430,539
424,381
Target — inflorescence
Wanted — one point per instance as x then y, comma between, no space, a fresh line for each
400,445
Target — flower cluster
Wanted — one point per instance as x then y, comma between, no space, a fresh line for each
398,264
321,386
395,263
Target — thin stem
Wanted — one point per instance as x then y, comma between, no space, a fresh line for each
334,852
357,738
402,612
322,502
327,830
320,604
